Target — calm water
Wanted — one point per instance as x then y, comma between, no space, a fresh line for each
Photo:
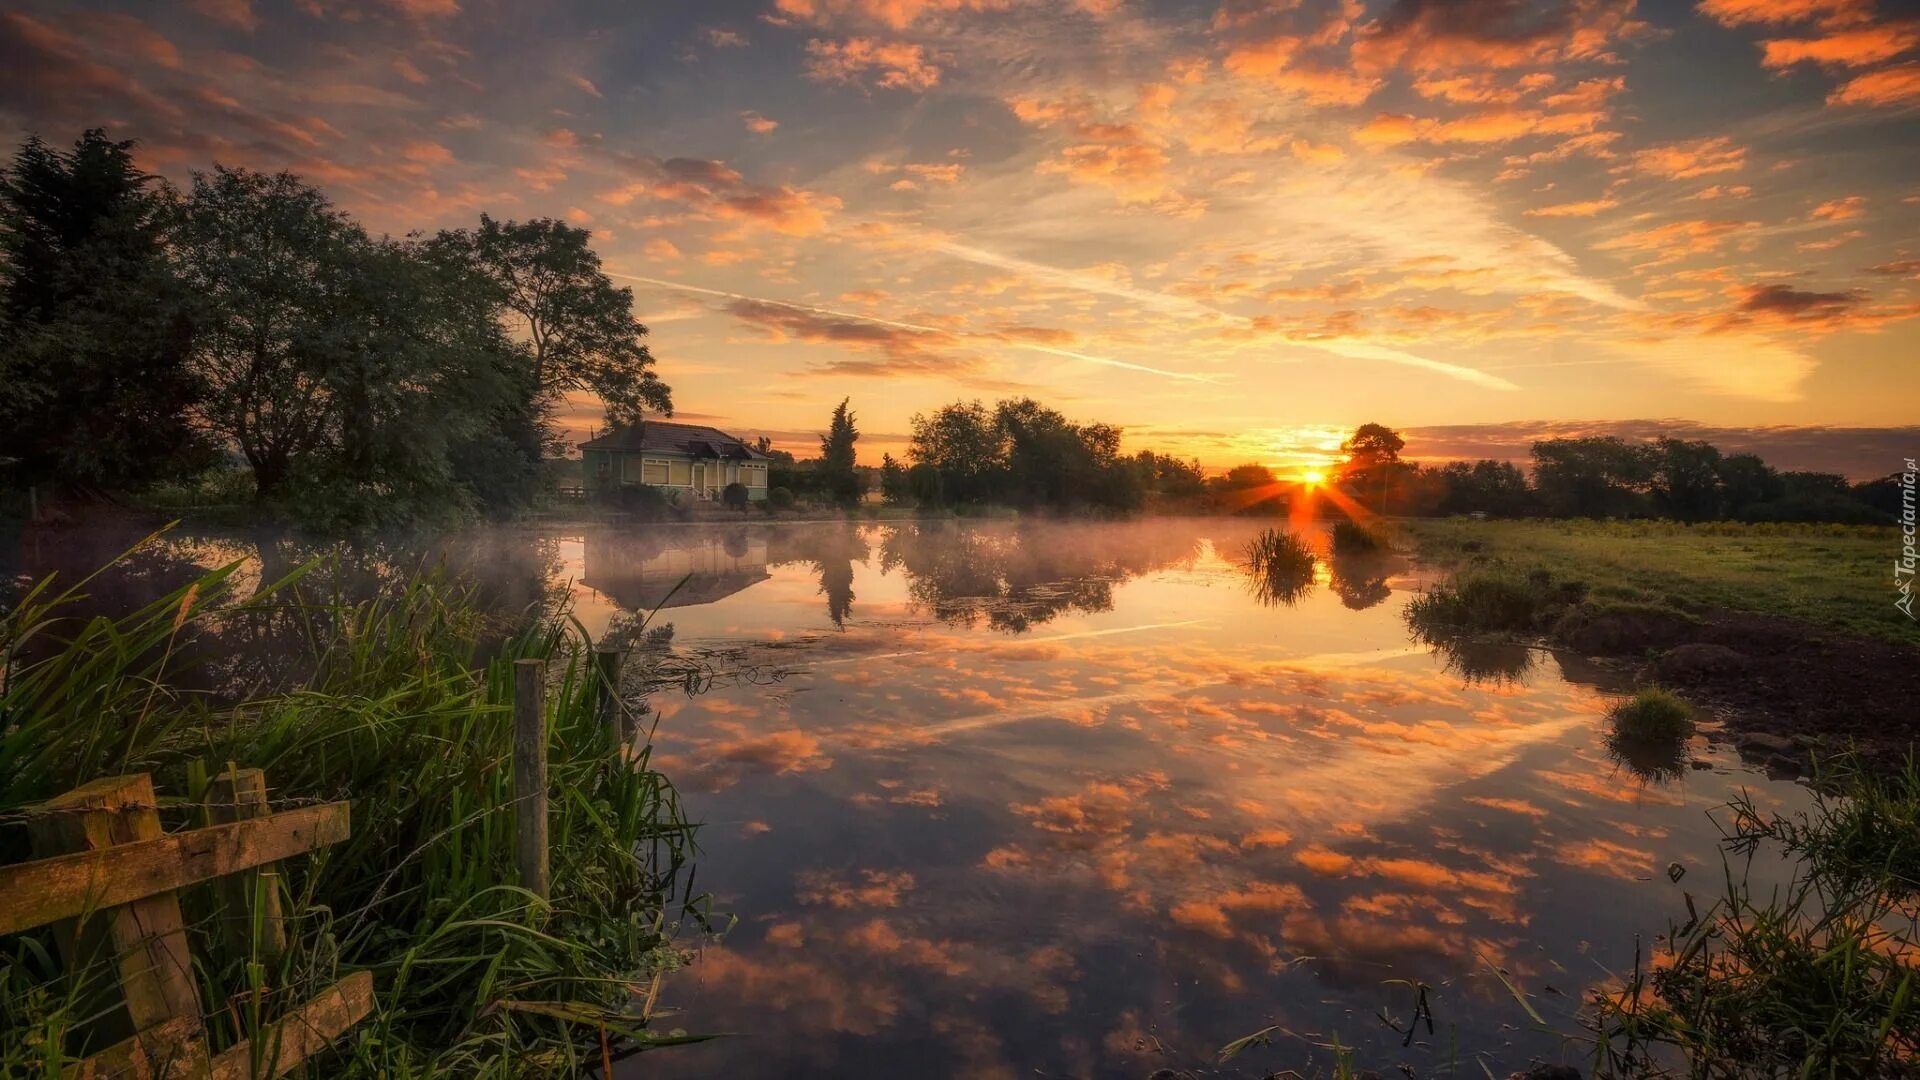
999,800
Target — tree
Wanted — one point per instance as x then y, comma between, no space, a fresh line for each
962,442
95,384
1372,445
580,330
837,458
1746,480
1488,487
1685,480
893,481
265,257
1595,476
923,483
1251,475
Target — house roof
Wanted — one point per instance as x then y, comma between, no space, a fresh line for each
660,436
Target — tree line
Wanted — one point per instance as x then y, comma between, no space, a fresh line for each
150,336
1604,476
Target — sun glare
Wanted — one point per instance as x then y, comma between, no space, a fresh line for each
1315,476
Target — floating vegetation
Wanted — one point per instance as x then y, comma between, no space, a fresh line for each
1280,565
1652,715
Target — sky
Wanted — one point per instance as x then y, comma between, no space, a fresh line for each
1235,229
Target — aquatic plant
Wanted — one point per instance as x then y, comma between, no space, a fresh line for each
1652,715
1491,599
1351,538
1813,978
1280,565
474,975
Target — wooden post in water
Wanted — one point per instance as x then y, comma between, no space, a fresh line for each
530,775
613,712
238,795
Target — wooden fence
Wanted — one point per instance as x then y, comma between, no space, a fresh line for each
110,881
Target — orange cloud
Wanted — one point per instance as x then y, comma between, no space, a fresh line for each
1695,157
1586,208
1851,206
1434,36
1847,48
895,65
758,124
1828,12
1889,86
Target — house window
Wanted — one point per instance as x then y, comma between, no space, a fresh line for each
680,472
755,476
654,471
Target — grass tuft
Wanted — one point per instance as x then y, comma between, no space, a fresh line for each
1350,538
1281,566
1652,715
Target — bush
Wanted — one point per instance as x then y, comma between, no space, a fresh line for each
1352,539
1492,599
779,499
1836,509
1281,565
735,495
649,503
1652,715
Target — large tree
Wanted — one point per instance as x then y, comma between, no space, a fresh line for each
578,328
1595,476
94,335
963,443
837,458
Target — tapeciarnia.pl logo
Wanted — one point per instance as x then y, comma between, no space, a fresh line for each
1903,567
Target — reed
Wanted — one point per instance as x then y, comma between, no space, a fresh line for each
397,709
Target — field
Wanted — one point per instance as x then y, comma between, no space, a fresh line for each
1834,576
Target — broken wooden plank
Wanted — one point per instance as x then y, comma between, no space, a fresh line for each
36,893
102,824
302,1033
173,1050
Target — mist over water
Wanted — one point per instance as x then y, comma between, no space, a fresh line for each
1085,799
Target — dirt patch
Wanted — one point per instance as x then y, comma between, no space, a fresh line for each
1623,630
1776,677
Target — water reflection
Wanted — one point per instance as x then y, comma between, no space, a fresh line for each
1067,800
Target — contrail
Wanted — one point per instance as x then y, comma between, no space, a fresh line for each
1105,361
1358,350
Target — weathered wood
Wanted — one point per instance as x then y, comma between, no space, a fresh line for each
301,1033
36,893
530,774
613,712
250,899
108,825
174,1050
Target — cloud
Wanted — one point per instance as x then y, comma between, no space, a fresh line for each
894,14
1676,239
1797,305
235,13
1847,48
1889,86
715,189
893,65
1856,452
1773,12
1584,208
1691,158
1852,206
1436,36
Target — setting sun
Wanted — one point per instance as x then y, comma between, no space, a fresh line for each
1315,476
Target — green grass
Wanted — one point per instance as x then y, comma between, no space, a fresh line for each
395,709
1832,575
1491,599
1652,715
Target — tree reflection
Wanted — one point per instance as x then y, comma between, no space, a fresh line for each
1489,661
1016,577
1360,581
831,550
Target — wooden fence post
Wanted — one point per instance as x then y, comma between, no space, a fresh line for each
147,936
530,774
238,795
613,712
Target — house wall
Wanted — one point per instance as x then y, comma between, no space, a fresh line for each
607,470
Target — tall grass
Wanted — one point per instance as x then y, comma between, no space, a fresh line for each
1280,566
399,712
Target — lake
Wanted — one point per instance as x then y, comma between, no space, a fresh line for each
999,799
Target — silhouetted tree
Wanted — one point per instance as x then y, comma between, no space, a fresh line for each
1489,487
1685,479
1746,480
580,330
1251,475
94,332
837,459
961,441
893,481
1596,476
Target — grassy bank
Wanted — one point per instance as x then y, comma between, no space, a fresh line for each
1837,576
393,707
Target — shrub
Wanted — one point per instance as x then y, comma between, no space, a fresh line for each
1652,715
779,499
735,495
1353,539
1492,599
642,501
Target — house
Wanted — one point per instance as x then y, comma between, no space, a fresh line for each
677,458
